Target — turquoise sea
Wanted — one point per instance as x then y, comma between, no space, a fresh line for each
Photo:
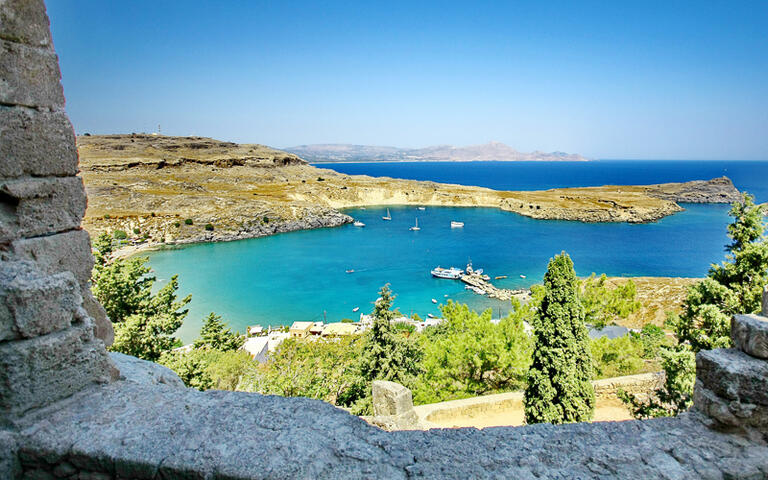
302,275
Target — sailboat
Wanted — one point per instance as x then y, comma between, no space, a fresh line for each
358,223
415,228
387,217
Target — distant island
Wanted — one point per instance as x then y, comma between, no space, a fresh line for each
492,151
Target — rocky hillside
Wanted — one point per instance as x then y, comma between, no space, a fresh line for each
192,189
329,153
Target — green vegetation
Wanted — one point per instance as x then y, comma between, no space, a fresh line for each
188,221
209,227
731,287
177,224
136,230
559,388
120,235
602,305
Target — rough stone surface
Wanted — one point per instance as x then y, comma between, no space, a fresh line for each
30,135
33,303
750,334
25,21
390,398
69,251
32,207
729,412
733,375
30,76
765,301
129,430
135,370
42,370
9,462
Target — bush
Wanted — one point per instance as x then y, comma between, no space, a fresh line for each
120,235
265,219
176,224
137,230
209,227
107,217
320,179
188,221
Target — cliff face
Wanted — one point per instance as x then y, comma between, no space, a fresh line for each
148,185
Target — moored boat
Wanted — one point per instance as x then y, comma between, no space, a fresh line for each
452,273
387,216
457,224
434,301
415,228
358,223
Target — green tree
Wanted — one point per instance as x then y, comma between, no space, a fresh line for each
214,335
675,395
144,322
559,388
206,369
731,287
603,305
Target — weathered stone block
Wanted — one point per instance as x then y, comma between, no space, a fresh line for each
9,461
42,370
31,207
750,334
733,375
140,371
765,301
390,398
30,76
729,412
36,143
25,21
33,303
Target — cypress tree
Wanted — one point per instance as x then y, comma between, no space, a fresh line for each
559,388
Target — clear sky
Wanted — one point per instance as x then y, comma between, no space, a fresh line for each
607,79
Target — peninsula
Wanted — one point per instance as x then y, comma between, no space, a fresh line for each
496,151
170,190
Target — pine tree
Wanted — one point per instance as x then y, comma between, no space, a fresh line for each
559,388
215,336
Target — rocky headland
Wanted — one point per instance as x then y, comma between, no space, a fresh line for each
175,190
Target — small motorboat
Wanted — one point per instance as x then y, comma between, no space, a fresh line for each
422,208
500,277
358,223
522,276
457,224
429,315
434,301
356,309
351,270
387,216
415,228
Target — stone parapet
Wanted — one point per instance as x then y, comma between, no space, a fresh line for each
750,334
30,76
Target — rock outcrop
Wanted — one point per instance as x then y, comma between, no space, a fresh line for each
717,190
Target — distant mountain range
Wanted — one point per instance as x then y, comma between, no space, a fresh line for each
330,153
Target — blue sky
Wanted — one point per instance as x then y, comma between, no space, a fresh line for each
606,79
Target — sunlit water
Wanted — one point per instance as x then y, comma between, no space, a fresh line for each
302,275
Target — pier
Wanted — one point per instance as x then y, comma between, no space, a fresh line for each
480,281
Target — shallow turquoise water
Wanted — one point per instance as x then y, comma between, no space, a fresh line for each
301,275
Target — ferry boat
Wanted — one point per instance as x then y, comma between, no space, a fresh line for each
387,216
358,223
415,228
452,273
457,224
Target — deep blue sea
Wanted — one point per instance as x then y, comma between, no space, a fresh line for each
302,275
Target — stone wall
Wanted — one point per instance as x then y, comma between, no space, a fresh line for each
65,412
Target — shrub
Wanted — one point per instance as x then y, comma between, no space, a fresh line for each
265,219
137,230
188,221
320,179
176,224
209,227
107,217
120,235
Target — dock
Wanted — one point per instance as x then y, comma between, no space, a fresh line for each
476,280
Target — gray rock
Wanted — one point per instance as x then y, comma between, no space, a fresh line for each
39,371
30,76
733,375
764,310
40,206
33,303
390,398
29,135
750,334
25,21
68,251
135,370
9,462
729,412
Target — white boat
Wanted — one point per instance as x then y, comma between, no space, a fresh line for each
387,217
415,228
356,309
457,224
422,208
452,273
434,301
522,276
429,315
351,270
358,223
